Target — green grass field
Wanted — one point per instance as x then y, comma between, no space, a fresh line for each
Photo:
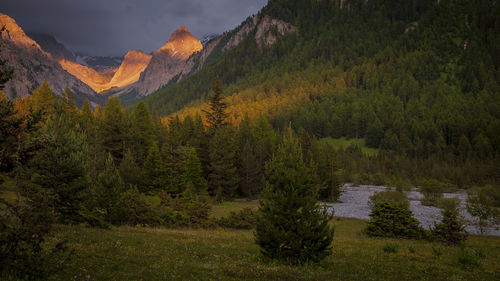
344,143
138,253
223,209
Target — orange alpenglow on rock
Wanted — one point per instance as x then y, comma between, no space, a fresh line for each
131,68
182,44
95,80
14,33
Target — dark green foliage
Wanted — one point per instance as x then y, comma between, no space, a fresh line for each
112,130
26,223
24,229
135,208
390,248
389,196
451,229
142,133
484,204
153,172
391,219
469,258
130,171
432,191
10,129
291,226
188,210
223,177
59,165
101,205
193,173
216,114
244,219
418,79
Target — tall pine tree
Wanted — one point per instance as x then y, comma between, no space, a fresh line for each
291,226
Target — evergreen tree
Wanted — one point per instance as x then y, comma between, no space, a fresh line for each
112,129
193,173
59,165
102,202
130,172
43,99
292,226
173,170
216,114
451,229
223,176
143,131
249,171
393,219
10,130
154,178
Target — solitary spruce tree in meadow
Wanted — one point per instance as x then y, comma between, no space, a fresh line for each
291,226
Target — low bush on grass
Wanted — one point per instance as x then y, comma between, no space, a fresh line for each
389,196
393,219
432,191
470,258
451,229
244,219
390,248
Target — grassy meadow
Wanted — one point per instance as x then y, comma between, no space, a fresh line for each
143,253
344,143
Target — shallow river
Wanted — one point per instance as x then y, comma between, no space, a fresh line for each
355,200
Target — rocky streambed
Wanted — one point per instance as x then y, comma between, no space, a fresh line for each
354,204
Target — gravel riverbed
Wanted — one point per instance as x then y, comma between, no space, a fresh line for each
354,204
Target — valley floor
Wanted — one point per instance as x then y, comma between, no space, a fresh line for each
137,253
355,198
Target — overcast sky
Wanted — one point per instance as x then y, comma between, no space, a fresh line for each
111,27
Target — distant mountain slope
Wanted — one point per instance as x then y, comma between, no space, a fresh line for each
94,79
416,77
130,69
99,63
32,66
50,45
166,63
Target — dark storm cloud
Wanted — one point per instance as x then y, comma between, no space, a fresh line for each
111,27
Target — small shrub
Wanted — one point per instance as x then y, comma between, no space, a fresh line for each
437,252
244,219
188,210
390,248
451,229
392,219
484,204
448,203
411,249
469,258
389,196
432,191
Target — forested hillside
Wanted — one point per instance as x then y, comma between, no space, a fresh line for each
418,79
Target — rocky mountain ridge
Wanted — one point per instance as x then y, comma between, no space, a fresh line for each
32,66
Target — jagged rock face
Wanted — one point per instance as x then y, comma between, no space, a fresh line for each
266,33
181,44
168,61
95,80
14,34
184,55
129,71
50,45
32,65
131,68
